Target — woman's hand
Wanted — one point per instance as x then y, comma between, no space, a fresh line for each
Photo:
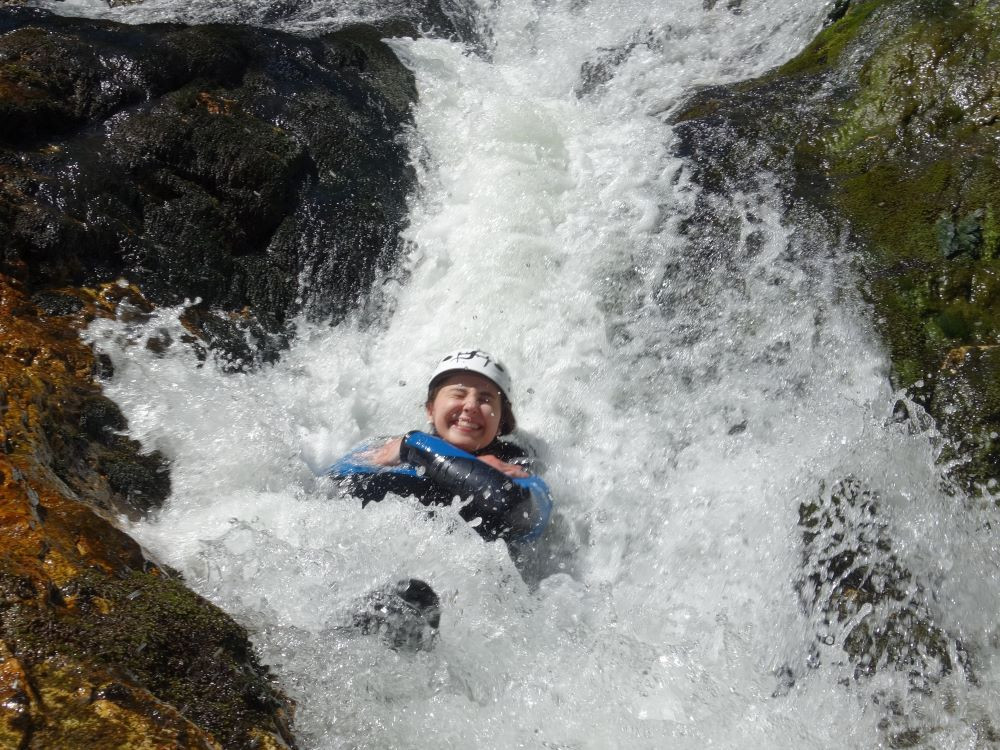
511,470
386,454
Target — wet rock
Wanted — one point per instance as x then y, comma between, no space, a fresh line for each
98,415
406,615
445,19
238,339
55,303
142,479
887,122
152,648
243,167
864,600
98,646
54,418
837,11
263,175
601,68
967,395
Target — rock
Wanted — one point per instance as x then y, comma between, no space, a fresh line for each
881,134
601,68
862,597
887,121
263,175
445,19
244,167
967,396
99,647
260,173
406,615
55,418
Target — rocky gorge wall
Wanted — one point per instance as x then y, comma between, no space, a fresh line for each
255,174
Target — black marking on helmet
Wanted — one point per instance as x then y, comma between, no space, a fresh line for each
471,354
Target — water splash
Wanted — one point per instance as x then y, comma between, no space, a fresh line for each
688,399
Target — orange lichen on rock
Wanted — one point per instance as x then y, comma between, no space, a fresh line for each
216,105
99,647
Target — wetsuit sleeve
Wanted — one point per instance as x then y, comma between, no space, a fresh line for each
506,508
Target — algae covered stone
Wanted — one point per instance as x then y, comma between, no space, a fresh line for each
889,122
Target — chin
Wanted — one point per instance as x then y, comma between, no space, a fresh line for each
466,444
469,443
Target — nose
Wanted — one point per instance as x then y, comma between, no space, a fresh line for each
471,401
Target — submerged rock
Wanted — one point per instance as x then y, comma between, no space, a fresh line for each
866,601
406,615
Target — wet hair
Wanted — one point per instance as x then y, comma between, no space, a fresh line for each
507,421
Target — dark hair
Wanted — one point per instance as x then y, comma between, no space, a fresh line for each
507,421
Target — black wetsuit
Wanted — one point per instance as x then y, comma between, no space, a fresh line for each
495,513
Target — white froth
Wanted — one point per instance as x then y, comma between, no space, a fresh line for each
683,416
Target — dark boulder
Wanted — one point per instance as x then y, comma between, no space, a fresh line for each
240,166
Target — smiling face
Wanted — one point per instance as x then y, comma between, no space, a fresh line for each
466,410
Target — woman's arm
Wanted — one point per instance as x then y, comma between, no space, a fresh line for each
506,507
511,470
387,454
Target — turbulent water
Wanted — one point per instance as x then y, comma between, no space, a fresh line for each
685,409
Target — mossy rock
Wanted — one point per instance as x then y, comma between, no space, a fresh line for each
967,394
890,120
916,165
98,647
151,633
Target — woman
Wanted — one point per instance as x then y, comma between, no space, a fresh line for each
469,408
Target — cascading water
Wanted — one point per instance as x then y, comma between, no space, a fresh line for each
685,408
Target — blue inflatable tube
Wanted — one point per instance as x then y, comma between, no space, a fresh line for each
515,509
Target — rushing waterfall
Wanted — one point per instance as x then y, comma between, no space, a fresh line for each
686,406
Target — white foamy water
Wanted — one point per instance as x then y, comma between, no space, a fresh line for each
685,407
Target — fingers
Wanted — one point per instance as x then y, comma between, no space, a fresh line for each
510,470
388,454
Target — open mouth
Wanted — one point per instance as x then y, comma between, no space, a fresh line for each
466,425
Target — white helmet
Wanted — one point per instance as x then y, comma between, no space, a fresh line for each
478,361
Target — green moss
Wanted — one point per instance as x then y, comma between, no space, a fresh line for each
918,178
899,115
909,370
825,50
25,78
697,109
991,234
156,633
